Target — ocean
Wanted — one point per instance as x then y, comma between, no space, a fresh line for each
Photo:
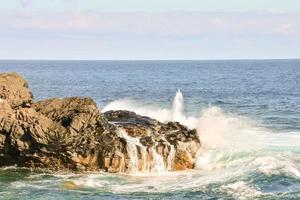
246,112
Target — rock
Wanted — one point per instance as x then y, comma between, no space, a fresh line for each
86,128
14,89
78,115
161,136
71,134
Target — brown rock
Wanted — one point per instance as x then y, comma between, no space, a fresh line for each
72,134
161,136
14,89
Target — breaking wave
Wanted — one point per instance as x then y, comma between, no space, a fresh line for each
216,128
236,151
239,159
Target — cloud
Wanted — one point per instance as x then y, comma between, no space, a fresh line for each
147,35
25,3
172,24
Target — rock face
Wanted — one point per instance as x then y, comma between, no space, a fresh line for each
14,89
170,146
71,134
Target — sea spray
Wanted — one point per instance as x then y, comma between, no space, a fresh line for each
220,130
155,112
232,145
176,113
238,159
222,135
266,90
216,128
177,107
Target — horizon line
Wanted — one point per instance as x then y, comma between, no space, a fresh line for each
215,59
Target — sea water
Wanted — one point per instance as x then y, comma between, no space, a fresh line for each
246,112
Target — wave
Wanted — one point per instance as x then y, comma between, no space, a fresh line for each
239,158
232,145
216,128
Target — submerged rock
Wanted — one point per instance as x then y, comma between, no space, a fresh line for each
72,134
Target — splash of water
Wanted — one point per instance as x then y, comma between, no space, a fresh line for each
177,107
216,129
150,161
236,159
171,157
225,137
157,162
131,147
176,113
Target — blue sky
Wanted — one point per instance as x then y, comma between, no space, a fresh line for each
144,29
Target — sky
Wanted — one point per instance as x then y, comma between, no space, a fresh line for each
149,29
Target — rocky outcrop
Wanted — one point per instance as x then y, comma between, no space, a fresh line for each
14,89
159,137
72,134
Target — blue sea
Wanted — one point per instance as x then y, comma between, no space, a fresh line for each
246,112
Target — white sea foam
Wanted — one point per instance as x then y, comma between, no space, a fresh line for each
271,165
241,190
151,161
235,152
215,128
176,113
227,139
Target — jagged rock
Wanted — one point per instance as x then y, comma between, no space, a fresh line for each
86,128
26,132
154,134
80,116
72,134
14,89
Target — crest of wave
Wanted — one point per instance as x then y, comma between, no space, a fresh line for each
176,113
216,129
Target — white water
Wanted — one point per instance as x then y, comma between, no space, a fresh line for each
171,157
177,107
227,140
150,162
240,159
215,128
158,161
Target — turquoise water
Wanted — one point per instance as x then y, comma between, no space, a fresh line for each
247,114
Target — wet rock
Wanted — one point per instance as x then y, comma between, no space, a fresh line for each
72,134
161,136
